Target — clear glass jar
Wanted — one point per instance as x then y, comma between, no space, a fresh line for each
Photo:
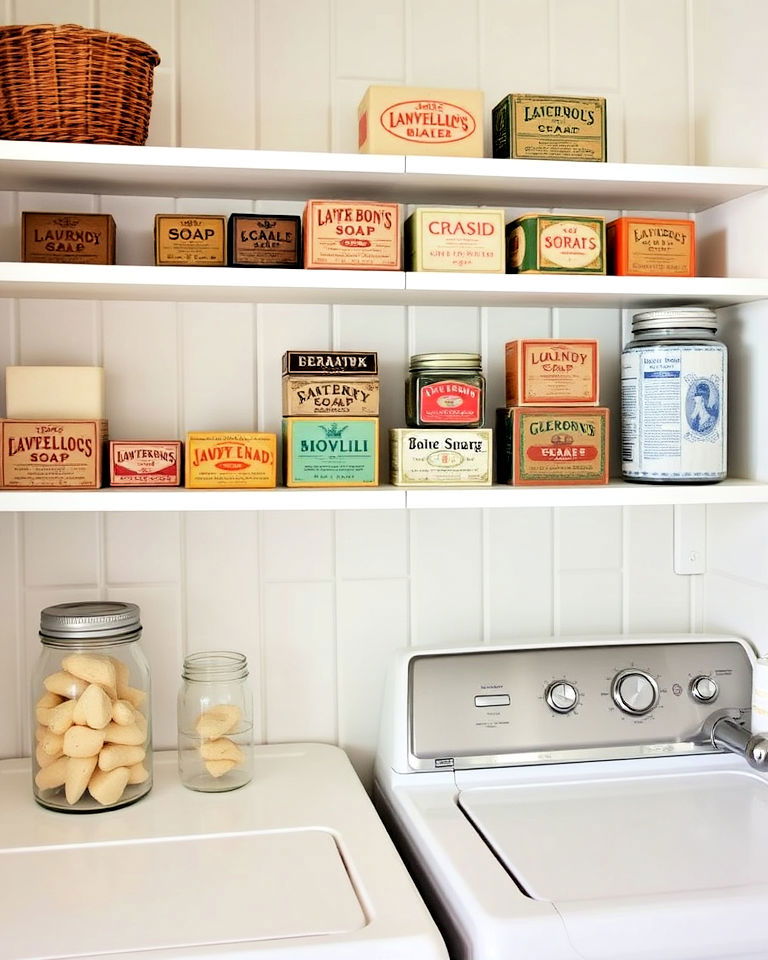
674,393
91,708
445,390
215,720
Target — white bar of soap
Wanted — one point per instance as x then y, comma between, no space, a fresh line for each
54,393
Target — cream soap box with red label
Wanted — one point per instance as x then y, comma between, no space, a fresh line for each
455,239
427,121
441,458
145,463
351,235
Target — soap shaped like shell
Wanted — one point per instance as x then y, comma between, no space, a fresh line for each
217,721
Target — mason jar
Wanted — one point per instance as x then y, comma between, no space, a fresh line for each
215,722
445,390
674,394
91,708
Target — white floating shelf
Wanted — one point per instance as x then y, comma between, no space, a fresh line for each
112,499
291,175
615,494
54,281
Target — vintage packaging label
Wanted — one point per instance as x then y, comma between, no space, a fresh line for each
553,446
649,247
673,413
263,241
450,403
144,463
337,363
190,241
231,460
544,372
326,396
429,121
351,235
527,126
441,457
67,238
51,454
455,239
548,243
331,452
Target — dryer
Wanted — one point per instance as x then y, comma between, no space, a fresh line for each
587,799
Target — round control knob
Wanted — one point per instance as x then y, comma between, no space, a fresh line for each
704,689
562,696
635,692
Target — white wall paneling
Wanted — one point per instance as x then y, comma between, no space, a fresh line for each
318,600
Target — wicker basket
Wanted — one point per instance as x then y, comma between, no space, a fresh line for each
74,84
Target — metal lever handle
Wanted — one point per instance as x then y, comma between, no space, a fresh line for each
727,735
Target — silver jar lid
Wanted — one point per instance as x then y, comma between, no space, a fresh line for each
449,361
701,318
90,620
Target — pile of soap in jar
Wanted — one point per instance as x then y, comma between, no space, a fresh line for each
219,753
91,733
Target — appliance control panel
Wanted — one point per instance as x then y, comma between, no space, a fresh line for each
558,703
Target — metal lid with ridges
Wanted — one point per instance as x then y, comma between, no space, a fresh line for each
85,620
682,317
450,360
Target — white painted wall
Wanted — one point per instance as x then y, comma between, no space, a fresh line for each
318,601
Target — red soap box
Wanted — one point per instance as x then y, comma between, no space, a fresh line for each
145,463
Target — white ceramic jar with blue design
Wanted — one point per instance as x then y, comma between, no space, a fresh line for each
674,391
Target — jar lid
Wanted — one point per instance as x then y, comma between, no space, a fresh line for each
681,317
453,361
89,620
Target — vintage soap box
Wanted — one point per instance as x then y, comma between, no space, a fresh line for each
548,372
335,363
66,393
231,459
526,126
329,452
324,396
421,120
190,241
351,235
550,243
552,446
67,238
51,454
460,239
144,463
651,247
441,458
254,240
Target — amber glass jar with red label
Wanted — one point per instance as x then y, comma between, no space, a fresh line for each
445,390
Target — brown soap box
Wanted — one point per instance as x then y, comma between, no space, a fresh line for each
51,454
67,238
257,240
190,240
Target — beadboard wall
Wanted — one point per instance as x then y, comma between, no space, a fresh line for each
318,601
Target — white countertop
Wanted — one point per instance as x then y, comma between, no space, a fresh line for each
295,864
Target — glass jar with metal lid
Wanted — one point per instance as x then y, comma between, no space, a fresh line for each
445,390
674,391
91,708
215,721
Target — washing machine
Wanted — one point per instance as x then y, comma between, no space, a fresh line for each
596,799
294,866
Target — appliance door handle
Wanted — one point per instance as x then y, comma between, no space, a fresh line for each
725,734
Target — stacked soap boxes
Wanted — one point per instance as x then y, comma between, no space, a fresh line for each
54,432
330,419
552,432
